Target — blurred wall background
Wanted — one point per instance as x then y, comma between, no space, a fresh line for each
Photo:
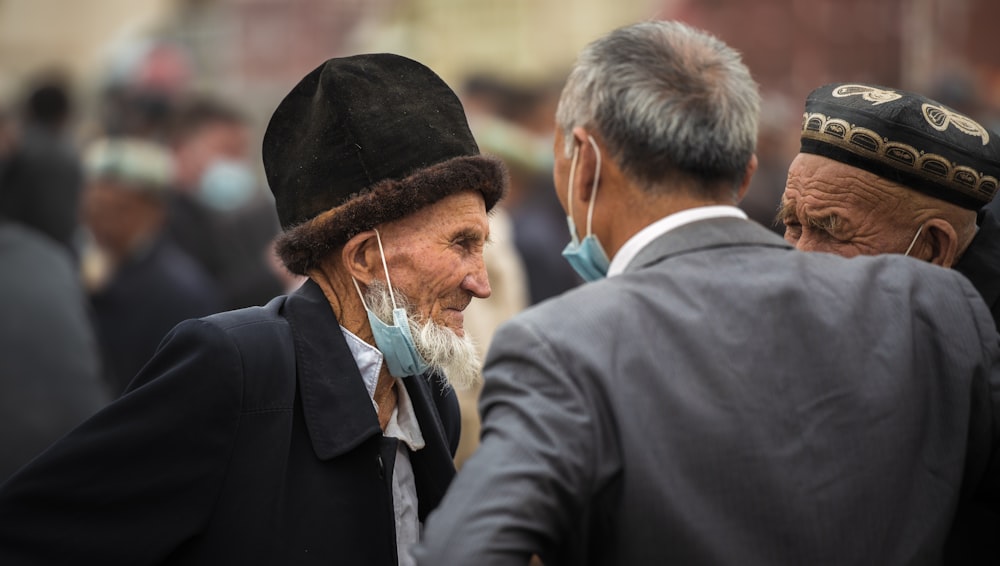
254,50
791,45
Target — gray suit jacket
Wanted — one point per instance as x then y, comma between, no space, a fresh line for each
728,400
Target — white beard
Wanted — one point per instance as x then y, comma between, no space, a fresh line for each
447,353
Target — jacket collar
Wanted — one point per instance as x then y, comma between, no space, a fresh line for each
704,235
336,406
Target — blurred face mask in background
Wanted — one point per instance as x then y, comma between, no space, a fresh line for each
226,185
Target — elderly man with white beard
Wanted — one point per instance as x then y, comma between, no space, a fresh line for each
321,427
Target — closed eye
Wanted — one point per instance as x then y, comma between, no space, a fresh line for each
469,241
786,216
829,224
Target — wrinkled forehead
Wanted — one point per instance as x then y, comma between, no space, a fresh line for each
817,183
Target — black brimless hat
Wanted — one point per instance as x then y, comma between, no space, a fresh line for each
364,140
906,138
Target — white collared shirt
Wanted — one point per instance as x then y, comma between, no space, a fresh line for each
643,237
403,426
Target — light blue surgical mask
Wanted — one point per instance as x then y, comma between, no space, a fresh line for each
586,257
227,185
394,340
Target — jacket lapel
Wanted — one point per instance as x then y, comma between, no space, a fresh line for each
337,410
705,235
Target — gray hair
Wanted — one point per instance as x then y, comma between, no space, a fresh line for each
667,99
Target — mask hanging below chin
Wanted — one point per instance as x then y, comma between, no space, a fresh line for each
394,340
396,344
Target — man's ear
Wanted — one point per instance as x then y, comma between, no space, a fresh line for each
360,256
586,166
943,241
747,176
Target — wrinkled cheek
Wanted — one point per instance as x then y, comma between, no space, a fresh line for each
845,251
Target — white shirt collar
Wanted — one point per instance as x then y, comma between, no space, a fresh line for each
643,237
403,422
368,358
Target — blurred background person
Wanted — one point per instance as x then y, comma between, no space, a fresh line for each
527,229
50,378
49,361
218,212
515,123
140,283
509,296
141,86
42,184
8,137
776,144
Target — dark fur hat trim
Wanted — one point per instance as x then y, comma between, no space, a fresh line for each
302,248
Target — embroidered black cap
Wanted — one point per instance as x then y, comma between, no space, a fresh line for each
906,138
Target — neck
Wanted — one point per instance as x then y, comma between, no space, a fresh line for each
350,312
637,209
343,298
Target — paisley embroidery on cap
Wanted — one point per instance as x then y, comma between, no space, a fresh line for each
874,95
940,118
872,145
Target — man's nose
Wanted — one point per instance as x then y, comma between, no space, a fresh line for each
477,282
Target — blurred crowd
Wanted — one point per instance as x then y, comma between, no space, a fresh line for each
153,217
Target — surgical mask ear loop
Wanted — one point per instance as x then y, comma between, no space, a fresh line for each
569,195
385,267
593,190
915,236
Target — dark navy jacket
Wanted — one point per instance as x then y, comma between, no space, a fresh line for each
249,438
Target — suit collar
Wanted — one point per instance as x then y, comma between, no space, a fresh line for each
336,406
642,238
704,235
